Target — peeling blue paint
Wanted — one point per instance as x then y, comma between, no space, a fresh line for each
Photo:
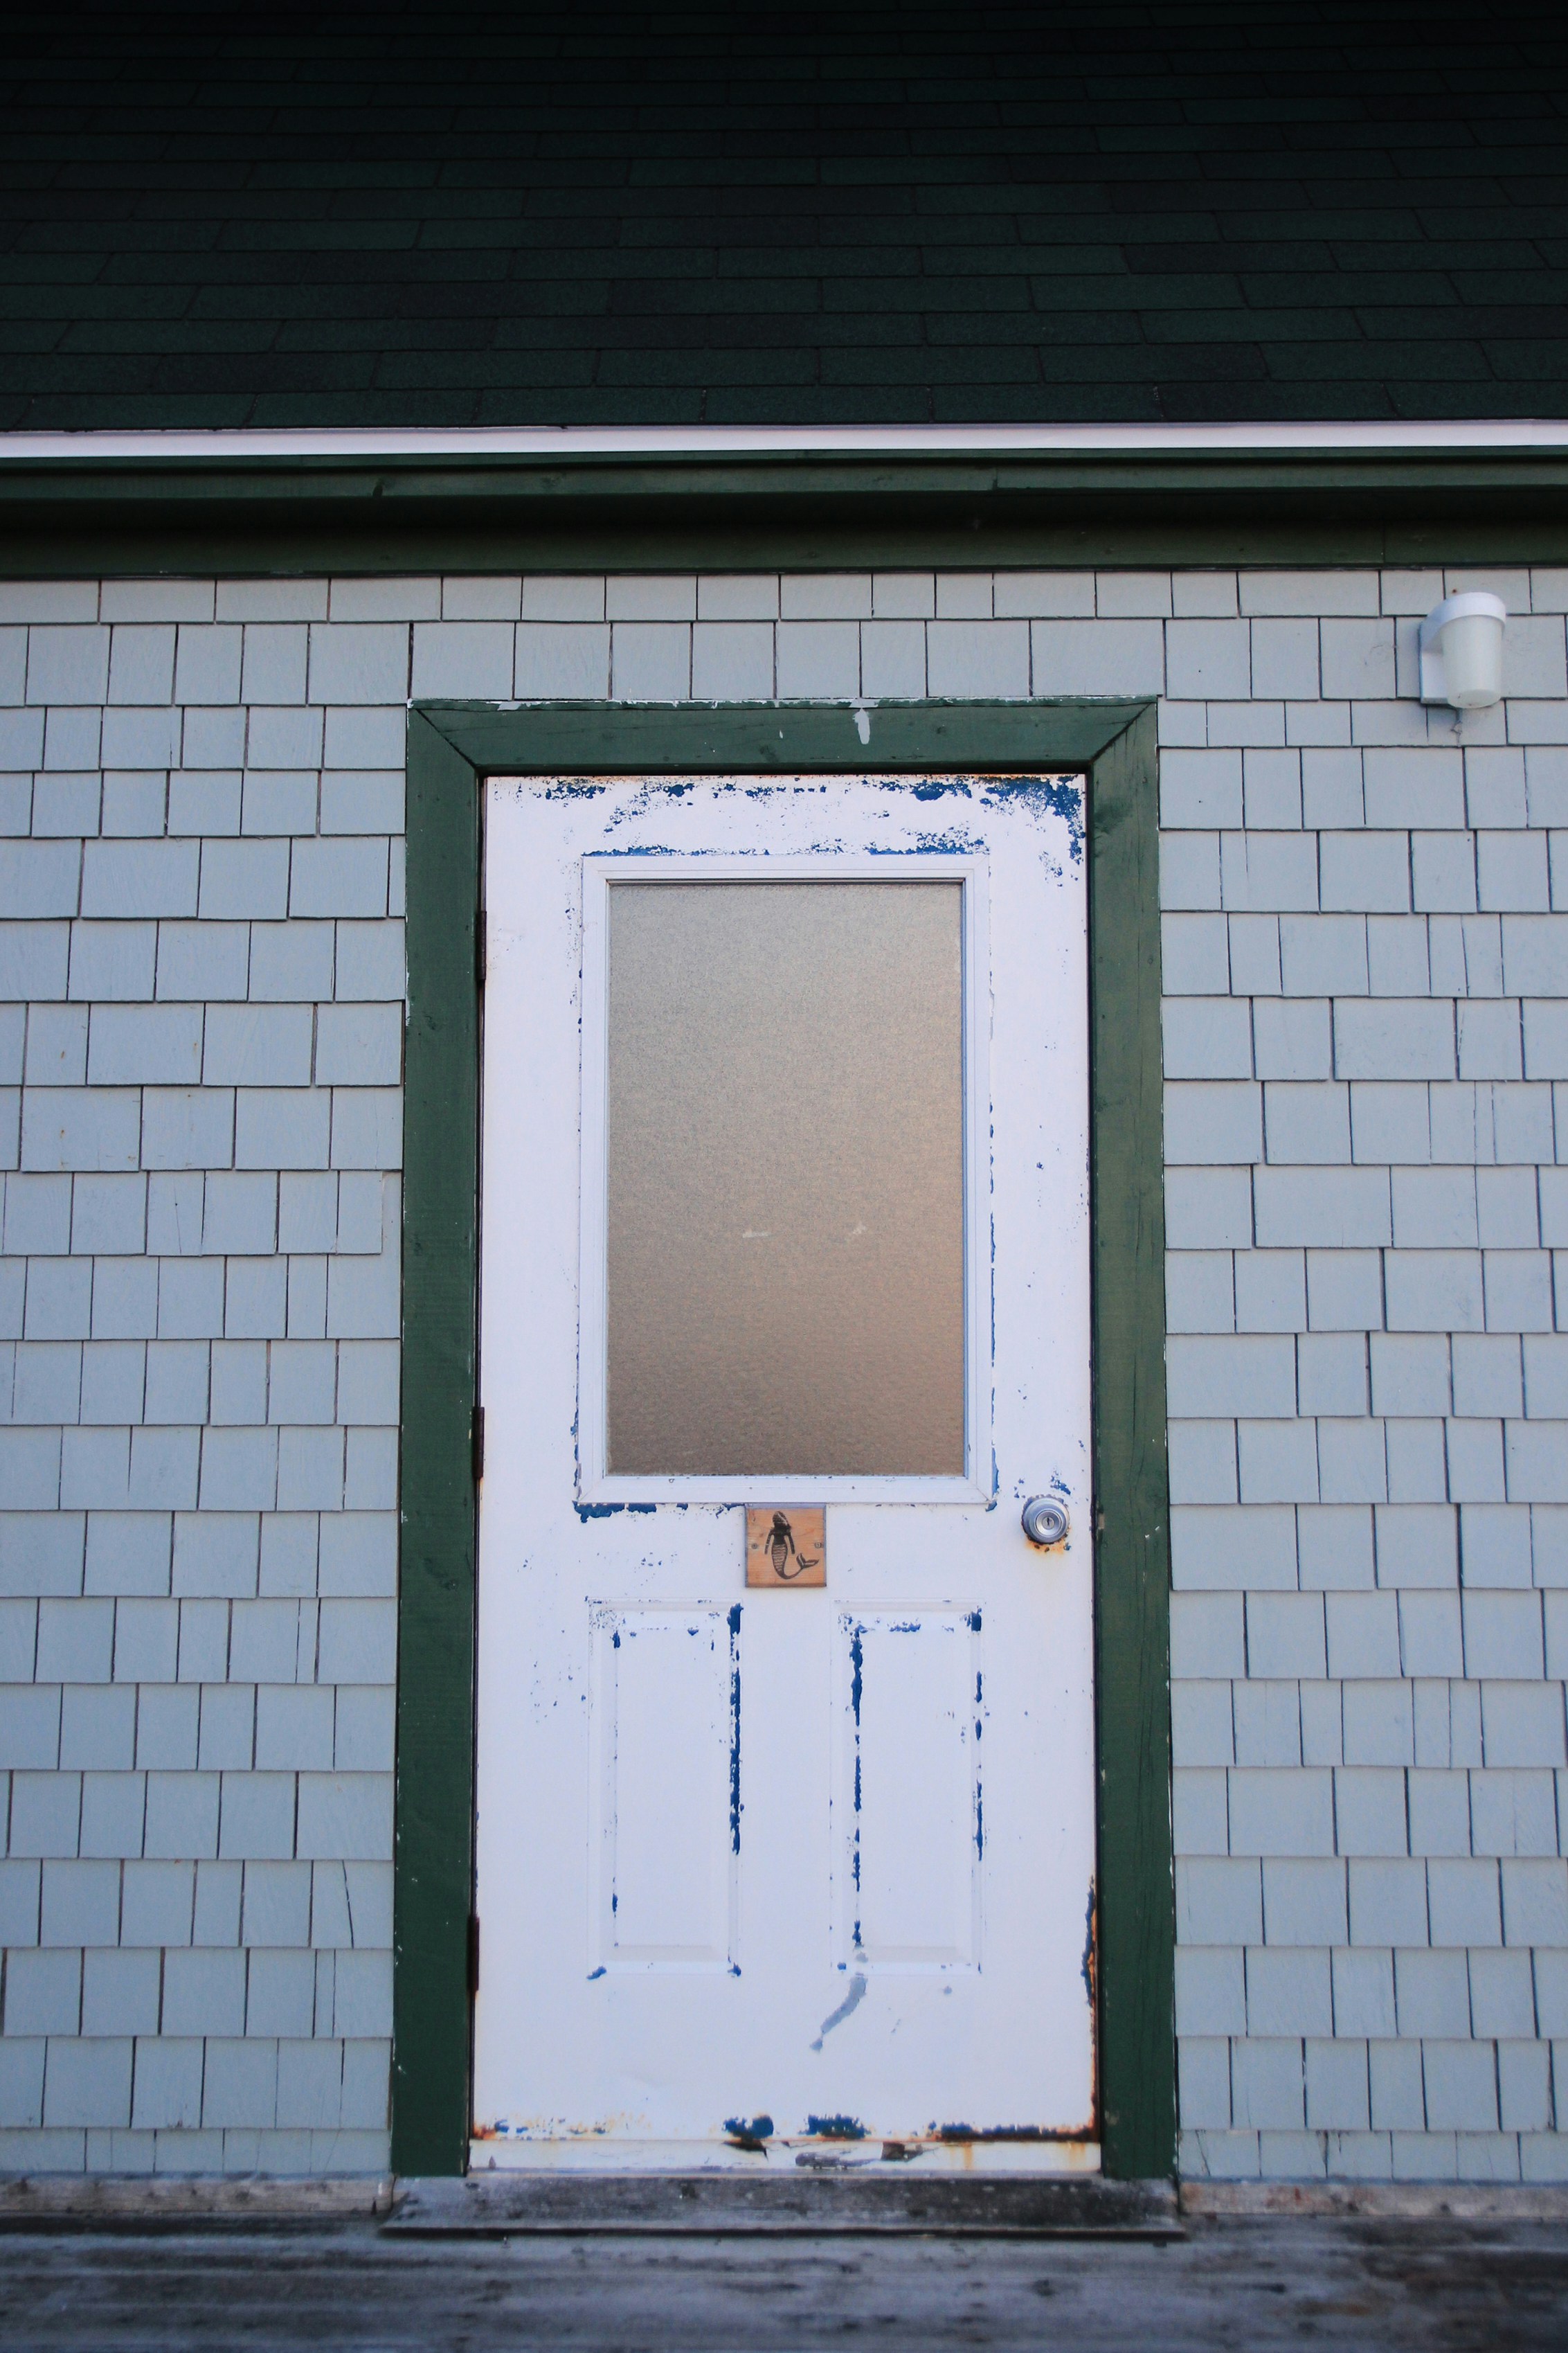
1045,796
586,1512
755,2129
597,1973
972,1622
961,2133
856,1687
735,1732
836,2127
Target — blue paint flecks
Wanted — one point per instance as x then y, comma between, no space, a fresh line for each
856,1689
586,1512
836,2127
1060,796
751,2129
972,1622
597,1973
735,1730
961,2133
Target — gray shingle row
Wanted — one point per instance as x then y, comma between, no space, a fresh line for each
231,1808
1305,594
167,2087
282,1639
183,1901
205,960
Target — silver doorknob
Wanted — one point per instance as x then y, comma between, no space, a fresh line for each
1045,1520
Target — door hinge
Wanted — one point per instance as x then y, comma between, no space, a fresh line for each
477,1442
481,947
473,1952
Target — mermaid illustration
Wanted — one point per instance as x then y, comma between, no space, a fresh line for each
780,1546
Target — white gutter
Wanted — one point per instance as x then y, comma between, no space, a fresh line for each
567,442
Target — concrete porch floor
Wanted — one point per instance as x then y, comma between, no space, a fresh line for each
1386,2281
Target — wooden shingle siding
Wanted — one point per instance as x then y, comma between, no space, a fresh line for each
444,216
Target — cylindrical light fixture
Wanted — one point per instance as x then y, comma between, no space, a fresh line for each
1461,651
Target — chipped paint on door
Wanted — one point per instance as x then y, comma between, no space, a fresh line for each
788,1876
667,1818
908,1811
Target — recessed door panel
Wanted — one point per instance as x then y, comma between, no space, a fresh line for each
666,1720
909,1799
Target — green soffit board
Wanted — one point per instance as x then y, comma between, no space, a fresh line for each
647,511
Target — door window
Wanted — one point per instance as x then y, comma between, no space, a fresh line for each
784,1178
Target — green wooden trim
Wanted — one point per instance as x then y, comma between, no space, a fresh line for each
153,514
1136,1927
791,738
314,546
434,1869
451,746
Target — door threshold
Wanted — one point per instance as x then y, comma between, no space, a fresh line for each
1052,2160
809,2204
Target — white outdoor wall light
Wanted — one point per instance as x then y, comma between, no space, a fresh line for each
1461,651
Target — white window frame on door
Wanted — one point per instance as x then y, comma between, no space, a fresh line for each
596,1485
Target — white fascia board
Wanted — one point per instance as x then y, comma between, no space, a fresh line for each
558,443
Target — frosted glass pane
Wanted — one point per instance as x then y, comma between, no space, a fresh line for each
785,1258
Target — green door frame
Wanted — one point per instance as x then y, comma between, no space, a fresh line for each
452,746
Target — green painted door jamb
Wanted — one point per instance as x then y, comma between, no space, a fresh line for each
451,747
1135,1930
433,1875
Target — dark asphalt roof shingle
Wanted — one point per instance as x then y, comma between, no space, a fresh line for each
362,215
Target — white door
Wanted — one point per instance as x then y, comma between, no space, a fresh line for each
785,1206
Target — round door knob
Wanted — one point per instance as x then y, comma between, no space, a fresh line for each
1045,1520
